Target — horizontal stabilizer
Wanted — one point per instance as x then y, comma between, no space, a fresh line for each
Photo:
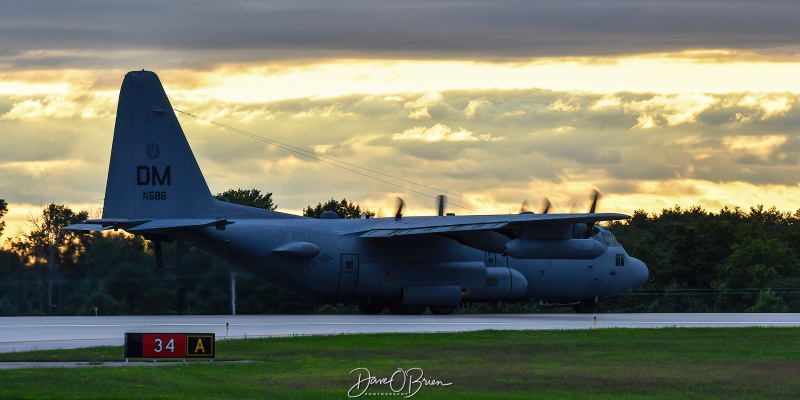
181,223
102,224
84,228
141,225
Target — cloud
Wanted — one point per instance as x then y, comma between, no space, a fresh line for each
607,102
32,182
769,104
419,107
335,110
84,33
58,106
758,145
473,105
443,133
568,105
32,88
669,109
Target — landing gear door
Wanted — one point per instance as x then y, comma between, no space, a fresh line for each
349,274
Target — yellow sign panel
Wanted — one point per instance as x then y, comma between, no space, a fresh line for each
200,345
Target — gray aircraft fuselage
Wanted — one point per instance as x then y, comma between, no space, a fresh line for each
383,267
155,188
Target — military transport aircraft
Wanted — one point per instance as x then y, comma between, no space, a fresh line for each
155,189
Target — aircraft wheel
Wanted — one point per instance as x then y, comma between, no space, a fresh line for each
586,306
406,310
371,309
442,310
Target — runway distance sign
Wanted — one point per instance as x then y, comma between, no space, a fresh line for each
170,345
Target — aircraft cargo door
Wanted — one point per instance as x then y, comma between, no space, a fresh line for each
349,275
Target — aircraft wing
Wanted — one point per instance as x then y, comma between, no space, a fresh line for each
461,224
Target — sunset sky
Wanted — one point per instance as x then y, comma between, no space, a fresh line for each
656,104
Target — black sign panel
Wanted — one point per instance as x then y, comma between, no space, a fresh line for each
200,345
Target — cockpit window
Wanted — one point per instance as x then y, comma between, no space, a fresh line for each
611,241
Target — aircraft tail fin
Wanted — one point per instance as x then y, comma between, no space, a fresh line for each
152,173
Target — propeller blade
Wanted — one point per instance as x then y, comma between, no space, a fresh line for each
590,225
399,213
595,196
545,206
440,200
525,208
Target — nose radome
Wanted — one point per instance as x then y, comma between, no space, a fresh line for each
638,273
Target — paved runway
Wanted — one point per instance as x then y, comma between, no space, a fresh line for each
32,333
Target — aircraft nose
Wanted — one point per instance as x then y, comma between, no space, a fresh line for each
638,272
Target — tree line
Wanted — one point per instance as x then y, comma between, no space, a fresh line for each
699,261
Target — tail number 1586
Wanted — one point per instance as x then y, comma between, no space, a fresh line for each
147,195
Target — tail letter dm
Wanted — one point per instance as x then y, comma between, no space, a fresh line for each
150,176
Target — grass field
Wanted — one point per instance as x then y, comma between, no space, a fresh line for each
673,363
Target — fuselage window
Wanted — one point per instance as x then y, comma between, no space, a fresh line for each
620,262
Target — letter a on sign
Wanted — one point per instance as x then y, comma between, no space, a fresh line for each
200,345
199,348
